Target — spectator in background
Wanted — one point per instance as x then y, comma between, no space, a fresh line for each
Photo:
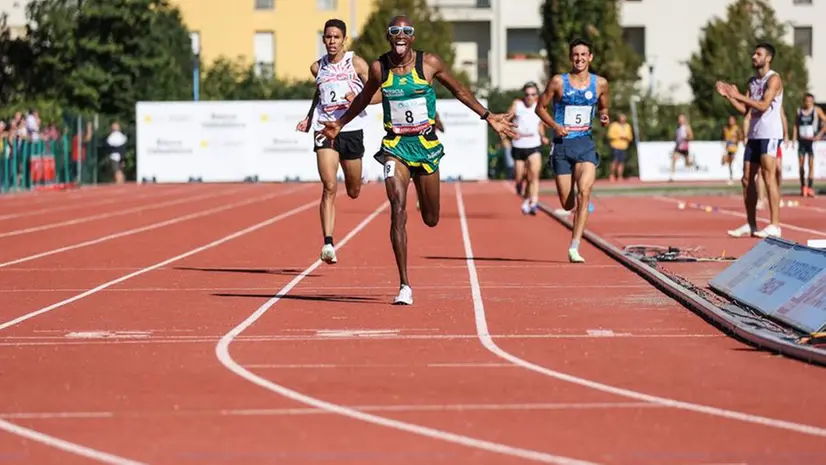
33,125
620,136
116,146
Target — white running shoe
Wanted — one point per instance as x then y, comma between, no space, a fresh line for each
574,256
771,230
745,230
328,254
405,296
526,207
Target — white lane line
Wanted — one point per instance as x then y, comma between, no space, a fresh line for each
64,445
326,288
52,341
150,227
315,411
83,450
112,214
222,352
487,341
79,205
147,269
743,215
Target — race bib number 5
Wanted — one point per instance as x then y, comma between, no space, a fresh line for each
578,118
409,116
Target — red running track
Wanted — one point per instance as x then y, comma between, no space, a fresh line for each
177,352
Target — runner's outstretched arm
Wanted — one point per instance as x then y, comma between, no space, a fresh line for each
363,71
500,123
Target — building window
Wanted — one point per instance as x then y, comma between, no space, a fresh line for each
321,49
524,44
482,3
802,2
326,4
264,51
635,38
264,4
803,39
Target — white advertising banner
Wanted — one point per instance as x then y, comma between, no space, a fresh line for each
655,162
232,141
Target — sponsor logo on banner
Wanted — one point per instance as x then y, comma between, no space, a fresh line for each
230,141
780,279
655,161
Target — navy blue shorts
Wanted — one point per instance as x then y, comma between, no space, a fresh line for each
568,152
805,147
619,155
756,148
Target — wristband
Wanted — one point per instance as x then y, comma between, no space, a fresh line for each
485,116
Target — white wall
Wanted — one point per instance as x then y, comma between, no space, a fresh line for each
673,30
16,9
672,33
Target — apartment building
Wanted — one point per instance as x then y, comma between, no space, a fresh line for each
280,36
498,41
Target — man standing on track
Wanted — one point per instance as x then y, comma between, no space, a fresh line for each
411,147
530,137
764,103
805,134
339,76
575,96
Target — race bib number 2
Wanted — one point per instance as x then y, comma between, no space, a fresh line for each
333,95
409,116
578,117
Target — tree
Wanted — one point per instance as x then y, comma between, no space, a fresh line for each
433,34
108,54
596,21
725,53
227,79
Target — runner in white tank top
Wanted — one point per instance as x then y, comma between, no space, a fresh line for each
763,107
524,149
339,76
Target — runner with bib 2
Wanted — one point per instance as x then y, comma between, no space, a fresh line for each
575,96
410,149
339,76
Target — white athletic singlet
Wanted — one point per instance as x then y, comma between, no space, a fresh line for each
681,137
807,123
527,125
767,124
334,81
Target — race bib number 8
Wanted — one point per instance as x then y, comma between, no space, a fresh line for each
409,116
578,117
333,94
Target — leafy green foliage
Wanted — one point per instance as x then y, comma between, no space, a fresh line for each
725,54
596,21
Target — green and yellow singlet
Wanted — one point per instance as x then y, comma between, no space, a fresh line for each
409,104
